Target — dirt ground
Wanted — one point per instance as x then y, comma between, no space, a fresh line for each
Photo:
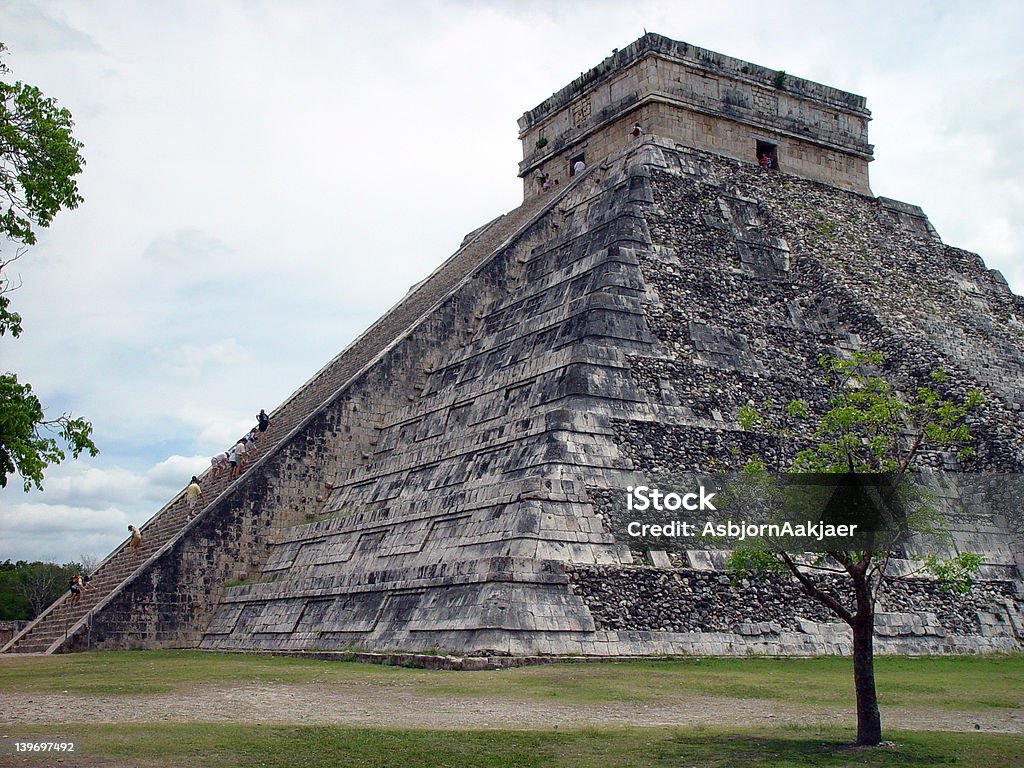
393,706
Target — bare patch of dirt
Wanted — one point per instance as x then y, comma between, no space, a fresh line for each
398,707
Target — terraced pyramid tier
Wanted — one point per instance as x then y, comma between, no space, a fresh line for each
445,485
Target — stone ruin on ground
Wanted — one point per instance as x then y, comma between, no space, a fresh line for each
444,483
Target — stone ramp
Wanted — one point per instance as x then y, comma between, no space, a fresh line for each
52,626
61,621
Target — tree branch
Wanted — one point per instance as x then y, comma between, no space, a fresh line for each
814,591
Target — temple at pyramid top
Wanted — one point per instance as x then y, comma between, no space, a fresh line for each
702,100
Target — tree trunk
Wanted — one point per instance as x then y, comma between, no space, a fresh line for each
869,720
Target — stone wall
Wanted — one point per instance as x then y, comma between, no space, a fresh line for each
8,629
453,494
702,100
448,535
686,600
620,332
704,612
321,433
779,270
171,601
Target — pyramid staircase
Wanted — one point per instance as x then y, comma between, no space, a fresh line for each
52,630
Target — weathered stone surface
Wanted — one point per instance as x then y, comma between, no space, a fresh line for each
623,303
445,483
683,600
700,99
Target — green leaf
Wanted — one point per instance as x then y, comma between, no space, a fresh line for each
39,160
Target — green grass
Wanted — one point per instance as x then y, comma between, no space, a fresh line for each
971,683
805,748
145,672
223,746
962,684
980,682
150,672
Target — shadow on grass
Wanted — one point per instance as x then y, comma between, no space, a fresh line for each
905,750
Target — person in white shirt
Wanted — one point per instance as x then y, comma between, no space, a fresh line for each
135,540
236,454
219,463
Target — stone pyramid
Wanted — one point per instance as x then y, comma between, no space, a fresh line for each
444,483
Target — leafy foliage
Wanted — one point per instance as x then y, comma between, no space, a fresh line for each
868,429
754,559
865,429
29,441
28,588
39,160
955,574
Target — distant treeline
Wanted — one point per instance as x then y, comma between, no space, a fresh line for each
26,589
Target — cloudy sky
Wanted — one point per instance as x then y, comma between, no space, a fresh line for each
264,179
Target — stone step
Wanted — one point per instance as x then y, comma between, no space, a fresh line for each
167,522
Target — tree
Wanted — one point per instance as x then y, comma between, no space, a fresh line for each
13,604
868,431
26,589
39,159
42,583
88,563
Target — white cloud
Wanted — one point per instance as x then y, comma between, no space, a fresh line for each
221,435
86,487
85,509
59,532
195,360
187,248
175,471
